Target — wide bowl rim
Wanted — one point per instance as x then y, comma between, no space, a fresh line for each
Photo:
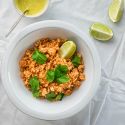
54,24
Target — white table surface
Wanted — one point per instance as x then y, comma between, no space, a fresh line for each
108,105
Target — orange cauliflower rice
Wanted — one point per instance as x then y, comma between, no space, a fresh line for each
46,74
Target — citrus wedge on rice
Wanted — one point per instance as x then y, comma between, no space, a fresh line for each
67,49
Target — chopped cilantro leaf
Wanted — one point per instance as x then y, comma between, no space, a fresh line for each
50,75
76,61
39,57
63,79
34,83
59,97
50,96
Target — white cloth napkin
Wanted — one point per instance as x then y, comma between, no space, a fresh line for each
108,105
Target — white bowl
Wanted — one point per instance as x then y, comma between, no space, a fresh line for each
22,98
35,15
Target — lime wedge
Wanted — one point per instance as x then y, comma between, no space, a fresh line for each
116,10
67,49
101,32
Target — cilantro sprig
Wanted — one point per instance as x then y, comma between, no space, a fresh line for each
59,74
76,60
60,70
59,97
50,75
39,57
62,79
52,96
35,84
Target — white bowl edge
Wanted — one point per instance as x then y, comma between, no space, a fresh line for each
96,62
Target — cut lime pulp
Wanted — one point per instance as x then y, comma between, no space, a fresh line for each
101,32
67,49
116,10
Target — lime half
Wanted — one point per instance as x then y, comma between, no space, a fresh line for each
67,49
101,32
116,10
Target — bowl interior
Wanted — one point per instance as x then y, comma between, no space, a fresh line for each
42,108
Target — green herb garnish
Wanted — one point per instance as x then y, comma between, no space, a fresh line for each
59,97
60,70
76,61
35,84
39,57
50,75
63,79
61,74
51,96
36,94
58,75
